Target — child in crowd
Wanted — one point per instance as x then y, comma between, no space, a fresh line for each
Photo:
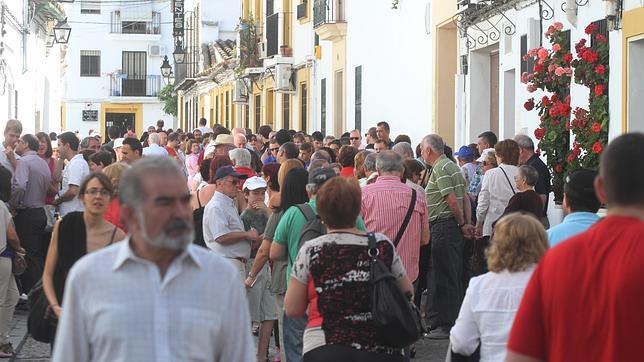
262,304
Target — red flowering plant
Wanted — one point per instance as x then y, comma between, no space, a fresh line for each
590,127
552,74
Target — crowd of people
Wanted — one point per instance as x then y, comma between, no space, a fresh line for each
179,245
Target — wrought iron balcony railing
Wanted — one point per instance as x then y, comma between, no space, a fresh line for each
328,12
135,85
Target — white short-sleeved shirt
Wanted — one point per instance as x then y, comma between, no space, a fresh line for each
155,150
220,217
118,307
5,221
73,174
487,313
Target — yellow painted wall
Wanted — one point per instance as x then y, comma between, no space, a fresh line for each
63,117
304,77
632,26
136,108
445,64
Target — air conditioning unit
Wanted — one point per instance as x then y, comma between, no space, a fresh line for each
156,50
283,77
240,92
261,46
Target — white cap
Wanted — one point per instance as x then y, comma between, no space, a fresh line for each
254,183
209,149
118,143
485,154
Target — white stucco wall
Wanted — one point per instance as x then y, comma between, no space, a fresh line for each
30,88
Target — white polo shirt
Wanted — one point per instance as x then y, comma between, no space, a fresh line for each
73,174
220,218
155,150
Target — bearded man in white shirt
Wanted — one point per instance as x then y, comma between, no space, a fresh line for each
154,296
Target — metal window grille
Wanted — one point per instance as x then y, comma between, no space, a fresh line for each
90,63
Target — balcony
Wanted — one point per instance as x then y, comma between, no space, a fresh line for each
125,23
135,86
328,19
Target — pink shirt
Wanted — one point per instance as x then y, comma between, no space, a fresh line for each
192,165
384,207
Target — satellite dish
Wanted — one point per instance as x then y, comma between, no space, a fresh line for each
428,18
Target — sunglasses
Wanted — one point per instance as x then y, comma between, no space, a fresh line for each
274,149
354,138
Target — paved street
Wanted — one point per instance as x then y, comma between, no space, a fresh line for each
30,350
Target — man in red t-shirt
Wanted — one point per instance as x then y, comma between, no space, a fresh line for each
172,145
585,301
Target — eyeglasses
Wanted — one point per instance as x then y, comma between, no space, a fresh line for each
354,138
94,192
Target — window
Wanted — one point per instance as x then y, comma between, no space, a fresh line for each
286,111
90,7
358,96
90,63
304,95
134,27
270,7
227,110
603,28
258,111
323,106
217,109
247,116
526,65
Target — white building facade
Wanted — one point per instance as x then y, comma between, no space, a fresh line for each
30,71
113,74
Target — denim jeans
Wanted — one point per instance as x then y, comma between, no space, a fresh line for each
293,335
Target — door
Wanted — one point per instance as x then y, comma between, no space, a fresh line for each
338,104
124,121
135,71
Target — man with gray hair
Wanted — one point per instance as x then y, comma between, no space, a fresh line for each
404,149
527,156
90,143
155,148
242,161
397,210
369,169
183,295
449,214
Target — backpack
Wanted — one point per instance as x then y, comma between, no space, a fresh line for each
312,229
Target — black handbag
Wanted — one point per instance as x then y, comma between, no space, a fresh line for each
41,322
396,317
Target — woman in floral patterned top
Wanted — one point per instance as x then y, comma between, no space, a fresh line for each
330,277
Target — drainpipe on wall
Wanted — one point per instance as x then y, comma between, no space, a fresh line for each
571,12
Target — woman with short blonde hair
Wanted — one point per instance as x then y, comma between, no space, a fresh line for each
492,299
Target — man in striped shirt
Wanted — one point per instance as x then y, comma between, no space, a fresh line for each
385,204
449,212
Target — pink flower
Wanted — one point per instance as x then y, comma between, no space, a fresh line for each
552,67
556,48
533,52
524,77
558,26
560,71
542,53
532,88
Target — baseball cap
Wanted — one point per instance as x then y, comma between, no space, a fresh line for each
118,143
223,139
580,183
224,171
254,183
485,154
464,151
321,175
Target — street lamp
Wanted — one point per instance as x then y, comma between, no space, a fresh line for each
171,77
62,30
179,55
166,68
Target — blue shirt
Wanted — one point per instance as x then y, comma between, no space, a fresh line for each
573,224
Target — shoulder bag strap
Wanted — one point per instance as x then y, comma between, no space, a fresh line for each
410,211
507,178
198,200
113,234
307,211
373,245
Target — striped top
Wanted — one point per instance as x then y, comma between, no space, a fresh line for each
384,207
446,178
